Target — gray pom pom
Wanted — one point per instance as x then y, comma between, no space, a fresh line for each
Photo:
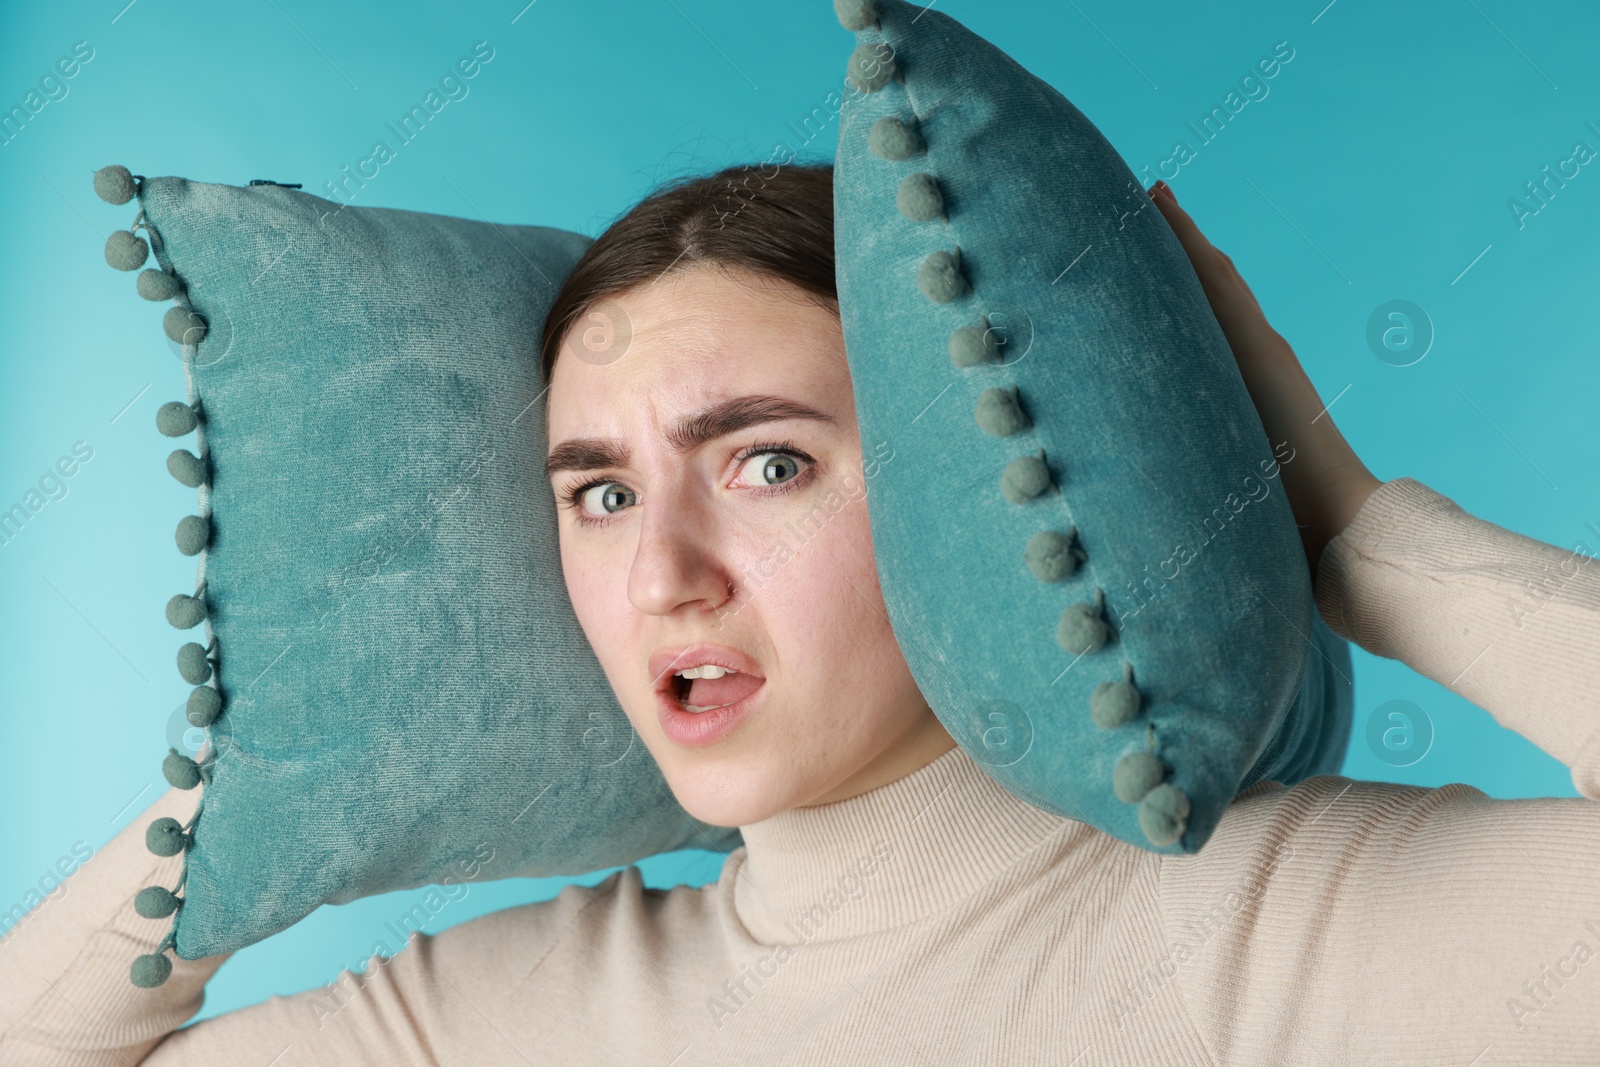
893,140
181,771
1081,628
186,467
154,902
974,346
919,198
940,277
175,418
150,971
184,326
856,15
1051,556
1000,412
205,704
193,664
164,837
193,533
871,66
1025,478
114,184
1113,703
156,285
1163,813
1135,775
185,612
126,250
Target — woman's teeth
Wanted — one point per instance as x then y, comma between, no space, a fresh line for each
710,670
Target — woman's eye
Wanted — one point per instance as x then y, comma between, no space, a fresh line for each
768,469
604,498
779,467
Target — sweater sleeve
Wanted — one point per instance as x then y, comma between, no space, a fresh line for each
65,994
1510,623
495,991
487,991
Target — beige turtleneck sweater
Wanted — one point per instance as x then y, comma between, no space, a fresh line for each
939,920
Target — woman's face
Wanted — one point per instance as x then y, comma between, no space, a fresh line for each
720,453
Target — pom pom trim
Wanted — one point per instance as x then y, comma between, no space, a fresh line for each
1163,808
197,662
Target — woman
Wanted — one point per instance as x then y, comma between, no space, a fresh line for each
892,903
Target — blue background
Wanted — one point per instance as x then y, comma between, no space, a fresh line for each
1378,166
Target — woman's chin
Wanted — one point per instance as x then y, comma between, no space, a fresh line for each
715,796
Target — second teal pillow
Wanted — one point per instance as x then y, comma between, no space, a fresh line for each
1086,553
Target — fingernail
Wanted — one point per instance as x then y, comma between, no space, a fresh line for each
1156,188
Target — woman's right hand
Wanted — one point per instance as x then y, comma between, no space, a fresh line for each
1325,480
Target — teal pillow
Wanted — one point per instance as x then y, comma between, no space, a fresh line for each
380,644
1087,557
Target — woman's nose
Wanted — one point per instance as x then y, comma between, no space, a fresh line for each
676,561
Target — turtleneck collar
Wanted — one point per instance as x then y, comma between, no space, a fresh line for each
887,857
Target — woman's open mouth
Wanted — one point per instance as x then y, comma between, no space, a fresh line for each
717,688
699,710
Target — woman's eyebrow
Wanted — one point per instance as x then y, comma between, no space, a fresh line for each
687,434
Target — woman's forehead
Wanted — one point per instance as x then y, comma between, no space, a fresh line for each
701,337
703,309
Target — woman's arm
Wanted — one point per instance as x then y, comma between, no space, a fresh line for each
494,990
1510,623
65,993
66,997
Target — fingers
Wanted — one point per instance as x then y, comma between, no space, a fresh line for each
1208,261
1199,247
1234,305
1230,300
1211,264
1194,242
1234,275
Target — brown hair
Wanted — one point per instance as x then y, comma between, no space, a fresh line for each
780,226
